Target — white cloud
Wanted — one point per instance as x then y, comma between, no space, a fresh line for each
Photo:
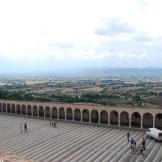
90,54
50,30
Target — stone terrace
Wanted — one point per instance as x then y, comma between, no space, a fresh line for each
71,142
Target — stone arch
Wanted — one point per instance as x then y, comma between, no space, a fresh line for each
18,109
158,121
35,110
85,115
94,116
77,115
4,107
114,117
124,118
54,112
147,120
103,117
29,110
61,113
47,112
69,114
13,109
23,109
136,119
41,111
8,108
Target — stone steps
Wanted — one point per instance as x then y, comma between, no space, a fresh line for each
71,142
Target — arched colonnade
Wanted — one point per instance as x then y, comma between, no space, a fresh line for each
127,117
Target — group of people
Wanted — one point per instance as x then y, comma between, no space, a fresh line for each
132,141
25,128
53,123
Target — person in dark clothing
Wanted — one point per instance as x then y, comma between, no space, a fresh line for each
143,143
131,141
21,128
141,149
134,144
25,127
128,135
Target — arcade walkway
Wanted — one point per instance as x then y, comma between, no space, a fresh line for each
86,113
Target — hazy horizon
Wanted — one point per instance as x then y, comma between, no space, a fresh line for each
90,72
48,35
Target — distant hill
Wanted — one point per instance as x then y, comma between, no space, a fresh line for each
92,71
105,71
134,72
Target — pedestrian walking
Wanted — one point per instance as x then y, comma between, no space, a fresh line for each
21,128
131,141
134,144
141,149
143,143
50,122
128,136
25,127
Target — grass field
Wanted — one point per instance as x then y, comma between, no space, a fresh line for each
92,90
156,100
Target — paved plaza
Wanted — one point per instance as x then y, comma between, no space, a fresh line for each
70,142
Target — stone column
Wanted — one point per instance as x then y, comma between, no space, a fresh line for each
15,109
32,110
38,112
81,116
89,117
108,118
6,108
58,117
119,120
21,110
130,120
99,118
65,115
153,121
44,112
72,115
141,122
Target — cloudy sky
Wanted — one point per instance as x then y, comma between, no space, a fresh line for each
38,35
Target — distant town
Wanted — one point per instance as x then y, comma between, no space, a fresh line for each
100,88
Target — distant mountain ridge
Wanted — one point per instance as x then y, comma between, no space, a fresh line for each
95,71
134,72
